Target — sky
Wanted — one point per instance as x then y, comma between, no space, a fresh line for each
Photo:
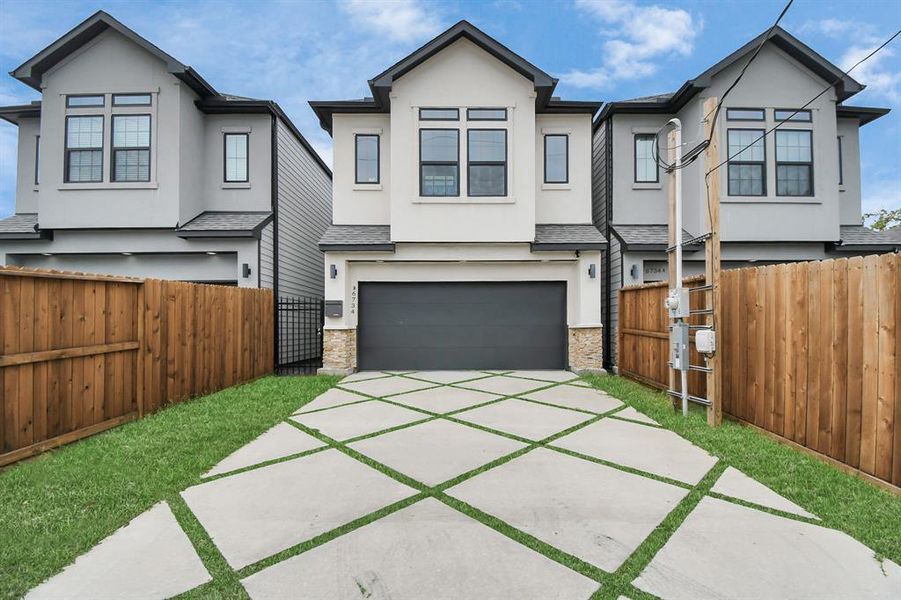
599,49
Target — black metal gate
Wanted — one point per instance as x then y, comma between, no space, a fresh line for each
299,321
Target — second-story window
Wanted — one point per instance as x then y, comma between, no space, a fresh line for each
131,148
84,149
487,162
236,157
646,158
794,162
556,158
439,162
367,158
747,162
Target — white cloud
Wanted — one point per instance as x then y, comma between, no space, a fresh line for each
399,20
879,194
639,37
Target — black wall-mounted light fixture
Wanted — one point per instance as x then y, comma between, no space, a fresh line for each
634,271
592,270
333,271
245,270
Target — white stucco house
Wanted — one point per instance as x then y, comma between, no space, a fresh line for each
133,164
462,232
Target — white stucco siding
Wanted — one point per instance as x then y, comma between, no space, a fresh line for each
564,202
26,190
191,166
256,193
849,195
463,75
636,203
363,204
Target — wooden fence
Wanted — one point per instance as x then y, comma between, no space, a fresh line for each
83,353
810,352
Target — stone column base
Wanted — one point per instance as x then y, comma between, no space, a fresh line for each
586,350
339,352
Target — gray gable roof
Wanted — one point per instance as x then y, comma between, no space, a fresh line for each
357,237
650,238
22,226
859,238
225,224
568,237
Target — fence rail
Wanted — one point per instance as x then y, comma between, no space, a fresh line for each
810,352
82,353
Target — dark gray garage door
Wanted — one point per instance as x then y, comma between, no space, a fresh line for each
509,325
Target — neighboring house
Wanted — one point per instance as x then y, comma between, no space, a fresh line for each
462,233
131,163
793,196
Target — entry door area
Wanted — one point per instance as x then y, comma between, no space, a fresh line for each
471,325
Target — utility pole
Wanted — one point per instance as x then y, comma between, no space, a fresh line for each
712,267
673,239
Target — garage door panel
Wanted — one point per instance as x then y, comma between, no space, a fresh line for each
452,325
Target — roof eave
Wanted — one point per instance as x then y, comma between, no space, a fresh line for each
570,246
357,247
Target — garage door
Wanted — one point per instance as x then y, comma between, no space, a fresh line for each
503,325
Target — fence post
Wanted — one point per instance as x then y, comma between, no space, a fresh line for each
139,362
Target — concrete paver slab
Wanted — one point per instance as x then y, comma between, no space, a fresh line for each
594,512
650,449
736,484
633,415
549,376
575,397
258,513
505,386
426,550
345,422
151,557
386,386
330,399
525,419
436,451
726,551
443,399
282,440
579,383
447,377
363,376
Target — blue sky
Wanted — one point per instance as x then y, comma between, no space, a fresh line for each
294,51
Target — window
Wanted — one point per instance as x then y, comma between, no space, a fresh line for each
486,114
794,162
367,158
841,170
792,115
439,114
236,157
37,157
80,101
646,158
84,149
556,158
439,162
745,114
131,99
747,162
486,150
131,148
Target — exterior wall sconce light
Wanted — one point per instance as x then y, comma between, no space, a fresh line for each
592,270
333,271
245,270
634,271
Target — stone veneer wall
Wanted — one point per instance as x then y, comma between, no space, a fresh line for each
339,351
586,349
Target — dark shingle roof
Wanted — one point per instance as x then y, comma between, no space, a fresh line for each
858,237
654,98
225,224
21,226
648,237
568,237
357,237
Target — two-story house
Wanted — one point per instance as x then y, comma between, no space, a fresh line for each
791,195
462,233
132,164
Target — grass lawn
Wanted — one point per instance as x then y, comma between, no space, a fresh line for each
56,507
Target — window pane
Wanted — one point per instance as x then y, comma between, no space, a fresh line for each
75,101
439,180
645,163
131,131
236,157
745,180
793,180
744,114
789,115
486,114
487,180
84,132
746,145
555,149
131,99
132,165
85,165
439,114
367,159
439,145
793,146
487,146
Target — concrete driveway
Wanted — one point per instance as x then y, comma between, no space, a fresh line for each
480,485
